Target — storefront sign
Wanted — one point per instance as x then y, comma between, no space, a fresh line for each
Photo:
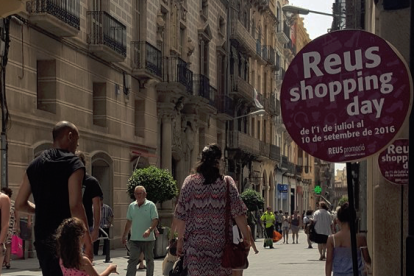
345,96
393,162
283,188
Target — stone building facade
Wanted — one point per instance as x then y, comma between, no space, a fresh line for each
153,82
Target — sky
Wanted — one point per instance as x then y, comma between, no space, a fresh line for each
315,24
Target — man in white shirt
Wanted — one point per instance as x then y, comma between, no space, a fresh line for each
323,225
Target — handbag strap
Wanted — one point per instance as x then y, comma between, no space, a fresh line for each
226,224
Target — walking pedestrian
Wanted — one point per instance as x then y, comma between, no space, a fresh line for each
142,219
307,220
69,243
55,179
92,193
12,227
339,253
285,228
4,224
268,219
294,222
323,224
105,225
200,216
279,221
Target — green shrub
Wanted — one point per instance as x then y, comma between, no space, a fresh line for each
342,200
253,200
158,183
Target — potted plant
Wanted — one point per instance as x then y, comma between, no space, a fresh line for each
160,187
254,202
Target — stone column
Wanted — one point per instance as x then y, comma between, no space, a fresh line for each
166,142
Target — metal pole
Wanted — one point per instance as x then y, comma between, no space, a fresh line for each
410,239
350,185
4,41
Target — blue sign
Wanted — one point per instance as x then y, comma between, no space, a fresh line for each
283,188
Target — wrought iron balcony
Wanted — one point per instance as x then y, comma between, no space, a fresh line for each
258,48
146,60
239,33
241,88
225,105
291,168
272,57
299,170
285,162
175,71
277,108
274,153
265,53
244,142
203,88
264,149
107,36
59,17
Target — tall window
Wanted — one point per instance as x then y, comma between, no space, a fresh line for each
138,16
99,104
174,28
46,85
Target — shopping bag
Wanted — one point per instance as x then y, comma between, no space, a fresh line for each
276,236
17,246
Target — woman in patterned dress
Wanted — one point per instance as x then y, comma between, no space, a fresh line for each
200,216
12,228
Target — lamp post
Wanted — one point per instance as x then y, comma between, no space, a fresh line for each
303,11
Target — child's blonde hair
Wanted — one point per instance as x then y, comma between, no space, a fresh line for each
68,246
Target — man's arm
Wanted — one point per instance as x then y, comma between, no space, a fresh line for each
96,202
126,231
154,224
22,203
76,206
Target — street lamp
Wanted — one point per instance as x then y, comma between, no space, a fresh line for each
259,112
303,11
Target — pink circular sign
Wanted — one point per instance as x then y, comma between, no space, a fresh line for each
393,162
345,96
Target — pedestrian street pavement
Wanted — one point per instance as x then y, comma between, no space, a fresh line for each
284,260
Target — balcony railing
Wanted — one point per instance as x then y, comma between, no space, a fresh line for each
272,56
50,14
242,87
106,30
224,104
258,48
265,53
299,170
291,168
203,88
146,57
264,149
175,70
242,141
285,162
243,36
274,153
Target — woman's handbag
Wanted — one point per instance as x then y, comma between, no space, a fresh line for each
312,232
17,246
234,255
178,268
